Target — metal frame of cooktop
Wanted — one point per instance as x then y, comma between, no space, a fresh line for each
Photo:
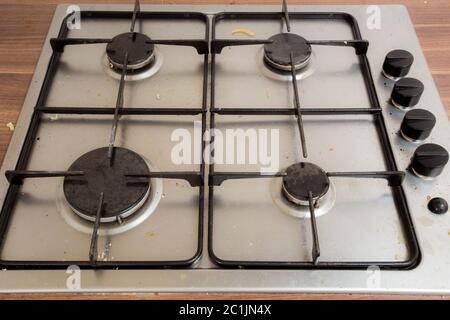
430,276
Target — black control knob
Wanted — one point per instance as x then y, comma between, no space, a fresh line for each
406,93
397,64
438,206
429,160
417,124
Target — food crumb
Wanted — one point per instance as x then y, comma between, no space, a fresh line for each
54,117
10,125
243,31
158,96
428,197
330,149
150,234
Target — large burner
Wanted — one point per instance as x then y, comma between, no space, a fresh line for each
121,197
278,53
302,178
140,53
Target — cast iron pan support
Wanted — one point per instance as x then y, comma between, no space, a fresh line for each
93,251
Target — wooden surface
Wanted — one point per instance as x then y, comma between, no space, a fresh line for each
24,25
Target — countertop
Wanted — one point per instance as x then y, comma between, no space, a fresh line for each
23,28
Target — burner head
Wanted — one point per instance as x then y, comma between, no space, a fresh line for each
140,53
303,177
122,197
277,54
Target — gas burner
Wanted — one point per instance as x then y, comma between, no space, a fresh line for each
302,178
140,52
144,59
122,198
278,53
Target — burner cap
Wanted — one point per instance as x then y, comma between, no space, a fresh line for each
121,197
278,53
302,178
140,53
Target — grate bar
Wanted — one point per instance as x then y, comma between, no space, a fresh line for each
286,16
316,246
119,105
217,178
360,46
136,11
298,109
17,176
93,251
293,111
395,178
194,179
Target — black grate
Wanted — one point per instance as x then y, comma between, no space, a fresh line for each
195,179
393,176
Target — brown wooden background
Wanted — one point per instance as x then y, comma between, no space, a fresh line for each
24,25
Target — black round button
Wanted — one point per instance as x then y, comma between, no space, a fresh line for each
429,160
438,206
397,63
407,92
417,124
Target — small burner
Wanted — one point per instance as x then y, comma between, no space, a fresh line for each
121,196
303,178
278,53
140,53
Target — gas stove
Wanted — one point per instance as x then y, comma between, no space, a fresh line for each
228,149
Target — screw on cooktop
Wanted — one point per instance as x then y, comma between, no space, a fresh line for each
397,63
438,206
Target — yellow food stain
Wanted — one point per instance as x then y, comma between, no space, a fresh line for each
151,234
11,126
243,31
448,232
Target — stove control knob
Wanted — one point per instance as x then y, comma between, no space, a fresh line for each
417,125
429,160
406,93
397,64
438,206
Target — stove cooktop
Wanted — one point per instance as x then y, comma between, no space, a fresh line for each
340,201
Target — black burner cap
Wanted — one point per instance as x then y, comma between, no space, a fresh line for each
278,53
398,63
302,178
438,206
120,194
429,160
418,124
139,52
